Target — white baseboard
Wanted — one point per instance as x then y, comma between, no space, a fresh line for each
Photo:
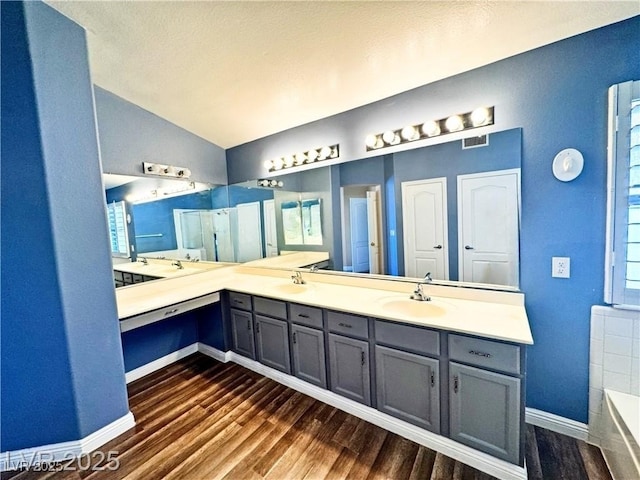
481,461
557,424
214,353
161,362
63,451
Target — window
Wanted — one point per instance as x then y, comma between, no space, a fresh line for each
622,275
117,214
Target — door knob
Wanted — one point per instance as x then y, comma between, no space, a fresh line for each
438,247
468,247
373,244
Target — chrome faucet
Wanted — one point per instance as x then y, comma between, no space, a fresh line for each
297,278
313,269
178,264
143,260
418,294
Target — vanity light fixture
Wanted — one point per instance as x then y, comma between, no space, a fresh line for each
265,182
302,158
165,170
479,117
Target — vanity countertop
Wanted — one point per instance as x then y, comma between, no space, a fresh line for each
165,269
490,314
291,260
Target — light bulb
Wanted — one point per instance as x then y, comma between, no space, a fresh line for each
288,161
153,168
390,137
169,170
454,123
325,152
278,163
430,128
409,132
273,183
299,159
371,141
480,116
312,156
186,172
268,164
280,183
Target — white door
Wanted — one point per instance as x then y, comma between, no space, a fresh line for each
223,248
424,218
249,236
270,233
488,219
375,251
359,234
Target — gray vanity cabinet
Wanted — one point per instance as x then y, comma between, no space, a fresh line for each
408,387
485,396
242,333
308,355
349,364
272,343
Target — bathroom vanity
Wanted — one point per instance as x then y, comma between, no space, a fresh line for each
449,373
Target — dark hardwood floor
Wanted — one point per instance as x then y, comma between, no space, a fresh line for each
201,419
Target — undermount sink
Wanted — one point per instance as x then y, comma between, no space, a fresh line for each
413,308
293,287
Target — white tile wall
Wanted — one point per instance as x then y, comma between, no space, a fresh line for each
614,359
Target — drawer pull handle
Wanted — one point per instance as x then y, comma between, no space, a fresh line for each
433,379
303,315
362,358
169,312
346,325
455,384
239,302
294,338
248,324
257,327
480,354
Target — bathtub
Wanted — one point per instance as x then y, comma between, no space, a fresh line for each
621,434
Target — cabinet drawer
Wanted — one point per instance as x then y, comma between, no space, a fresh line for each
240,300
305,315
407,337
169,311
273,308
137,278
127,278
148,278
485,353
117,275
348,324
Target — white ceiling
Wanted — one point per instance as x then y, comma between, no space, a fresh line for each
235,71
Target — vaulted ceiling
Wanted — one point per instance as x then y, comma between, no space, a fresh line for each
235,71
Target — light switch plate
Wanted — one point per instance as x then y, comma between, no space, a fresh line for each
561,267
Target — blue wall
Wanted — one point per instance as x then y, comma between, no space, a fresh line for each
557,94
61,352
130,135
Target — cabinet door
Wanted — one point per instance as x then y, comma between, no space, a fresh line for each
308,355
485,411
272,342
349,360
408,387
242,331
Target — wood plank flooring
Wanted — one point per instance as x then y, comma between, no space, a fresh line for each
200,419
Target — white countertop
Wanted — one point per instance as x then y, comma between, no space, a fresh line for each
496,315
291,260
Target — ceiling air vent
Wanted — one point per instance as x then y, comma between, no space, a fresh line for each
473,142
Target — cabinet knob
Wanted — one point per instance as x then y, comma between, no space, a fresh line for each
455,384
248,324
294,338
257,327
362,357
433,379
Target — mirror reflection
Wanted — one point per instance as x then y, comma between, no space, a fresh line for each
451,210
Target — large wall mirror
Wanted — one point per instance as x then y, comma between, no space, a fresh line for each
448,210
